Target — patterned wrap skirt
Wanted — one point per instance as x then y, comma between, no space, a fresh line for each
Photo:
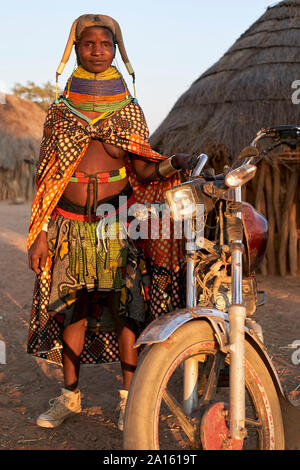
91,260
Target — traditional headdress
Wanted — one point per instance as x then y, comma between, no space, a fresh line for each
86,21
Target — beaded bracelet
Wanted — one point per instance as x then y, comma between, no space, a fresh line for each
45,226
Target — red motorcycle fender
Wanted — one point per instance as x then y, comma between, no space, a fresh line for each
160,329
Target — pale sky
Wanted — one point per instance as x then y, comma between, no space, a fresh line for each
169,43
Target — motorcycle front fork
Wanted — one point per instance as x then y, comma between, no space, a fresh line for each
236,346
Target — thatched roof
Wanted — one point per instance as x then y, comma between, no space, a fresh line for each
21,127
250,87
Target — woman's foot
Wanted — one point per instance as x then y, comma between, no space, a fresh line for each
62,407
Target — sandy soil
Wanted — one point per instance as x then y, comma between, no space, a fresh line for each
26,384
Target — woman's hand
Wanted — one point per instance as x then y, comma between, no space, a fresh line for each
38,252
183,161
146,172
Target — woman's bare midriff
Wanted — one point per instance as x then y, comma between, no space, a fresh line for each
99,157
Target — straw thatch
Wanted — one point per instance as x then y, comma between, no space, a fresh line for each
249,88
21,127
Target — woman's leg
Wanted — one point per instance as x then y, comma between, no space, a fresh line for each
128,354
126,339
73,342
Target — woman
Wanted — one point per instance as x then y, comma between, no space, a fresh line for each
94,149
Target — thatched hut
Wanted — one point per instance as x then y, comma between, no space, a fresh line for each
21,128
249,88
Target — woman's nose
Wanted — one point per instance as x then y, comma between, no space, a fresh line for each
97,50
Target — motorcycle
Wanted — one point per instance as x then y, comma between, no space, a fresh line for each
204,378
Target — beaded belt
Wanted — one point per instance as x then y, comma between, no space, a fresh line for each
103,177
93,181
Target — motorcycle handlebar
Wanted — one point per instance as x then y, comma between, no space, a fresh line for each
202,159
283,132
288,135
248,152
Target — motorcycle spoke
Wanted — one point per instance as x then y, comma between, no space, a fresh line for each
215,365
185,422
253,423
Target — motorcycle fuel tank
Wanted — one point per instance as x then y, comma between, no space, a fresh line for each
256,235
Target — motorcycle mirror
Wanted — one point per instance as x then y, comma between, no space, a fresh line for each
240,175
247,153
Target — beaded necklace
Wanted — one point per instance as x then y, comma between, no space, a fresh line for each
104,92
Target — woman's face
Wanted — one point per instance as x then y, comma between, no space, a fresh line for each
96,49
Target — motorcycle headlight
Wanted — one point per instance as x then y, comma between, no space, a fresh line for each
183,200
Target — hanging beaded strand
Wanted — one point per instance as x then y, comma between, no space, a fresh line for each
69,84
134,90
56,91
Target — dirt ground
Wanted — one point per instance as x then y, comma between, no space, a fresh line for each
27,384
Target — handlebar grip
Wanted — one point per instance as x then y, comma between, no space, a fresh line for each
192,162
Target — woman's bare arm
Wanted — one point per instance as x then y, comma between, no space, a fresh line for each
147,172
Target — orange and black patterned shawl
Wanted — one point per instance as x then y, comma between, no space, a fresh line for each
64,144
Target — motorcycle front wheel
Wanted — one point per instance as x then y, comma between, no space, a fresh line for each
155,418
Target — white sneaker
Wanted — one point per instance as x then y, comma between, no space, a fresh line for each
67,404
121,407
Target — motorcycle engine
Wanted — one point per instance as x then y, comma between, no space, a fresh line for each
219,294
222,300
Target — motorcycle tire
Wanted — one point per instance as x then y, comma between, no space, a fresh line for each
150,425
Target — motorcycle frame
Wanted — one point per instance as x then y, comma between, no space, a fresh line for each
236,346
236,318
231,332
